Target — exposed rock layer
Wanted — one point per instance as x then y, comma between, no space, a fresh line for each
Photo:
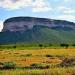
23,23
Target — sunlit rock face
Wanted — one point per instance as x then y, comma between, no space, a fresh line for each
22,24
17,24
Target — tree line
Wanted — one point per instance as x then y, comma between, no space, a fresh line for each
15,46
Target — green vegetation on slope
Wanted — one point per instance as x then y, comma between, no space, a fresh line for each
38,34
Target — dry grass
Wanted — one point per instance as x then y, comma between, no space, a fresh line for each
36,56
24,58
52,71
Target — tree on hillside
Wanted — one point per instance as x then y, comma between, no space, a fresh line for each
14,46
73,45
40,45
64,45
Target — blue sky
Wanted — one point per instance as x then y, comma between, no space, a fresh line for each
55,9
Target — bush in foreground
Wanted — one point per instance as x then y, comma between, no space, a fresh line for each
68,62
7,65
37,66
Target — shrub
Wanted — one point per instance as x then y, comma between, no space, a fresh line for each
37,66
40,45
9,65
49,56
50,44
25,55
14,46
68,62
64,45
28,55
73,45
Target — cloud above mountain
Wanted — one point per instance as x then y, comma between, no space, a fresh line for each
10,4
37,5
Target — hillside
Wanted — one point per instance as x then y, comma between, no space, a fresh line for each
37,30
39,34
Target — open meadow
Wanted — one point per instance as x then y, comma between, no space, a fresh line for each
37,62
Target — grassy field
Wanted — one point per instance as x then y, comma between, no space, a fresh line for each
38,62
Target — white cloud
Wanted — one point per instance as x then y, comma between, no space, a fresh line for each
63,8
9,4
37,5
42,9
41,6
67,0
67,17
1,26
66,10
71,11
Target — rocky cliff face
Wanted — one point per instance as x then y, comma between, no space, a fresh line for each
24,23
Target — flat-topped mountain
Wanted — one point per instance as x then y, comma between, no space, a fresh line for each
24,23
37,30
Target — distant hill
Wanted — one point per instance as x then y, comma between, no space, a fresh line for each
39,30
